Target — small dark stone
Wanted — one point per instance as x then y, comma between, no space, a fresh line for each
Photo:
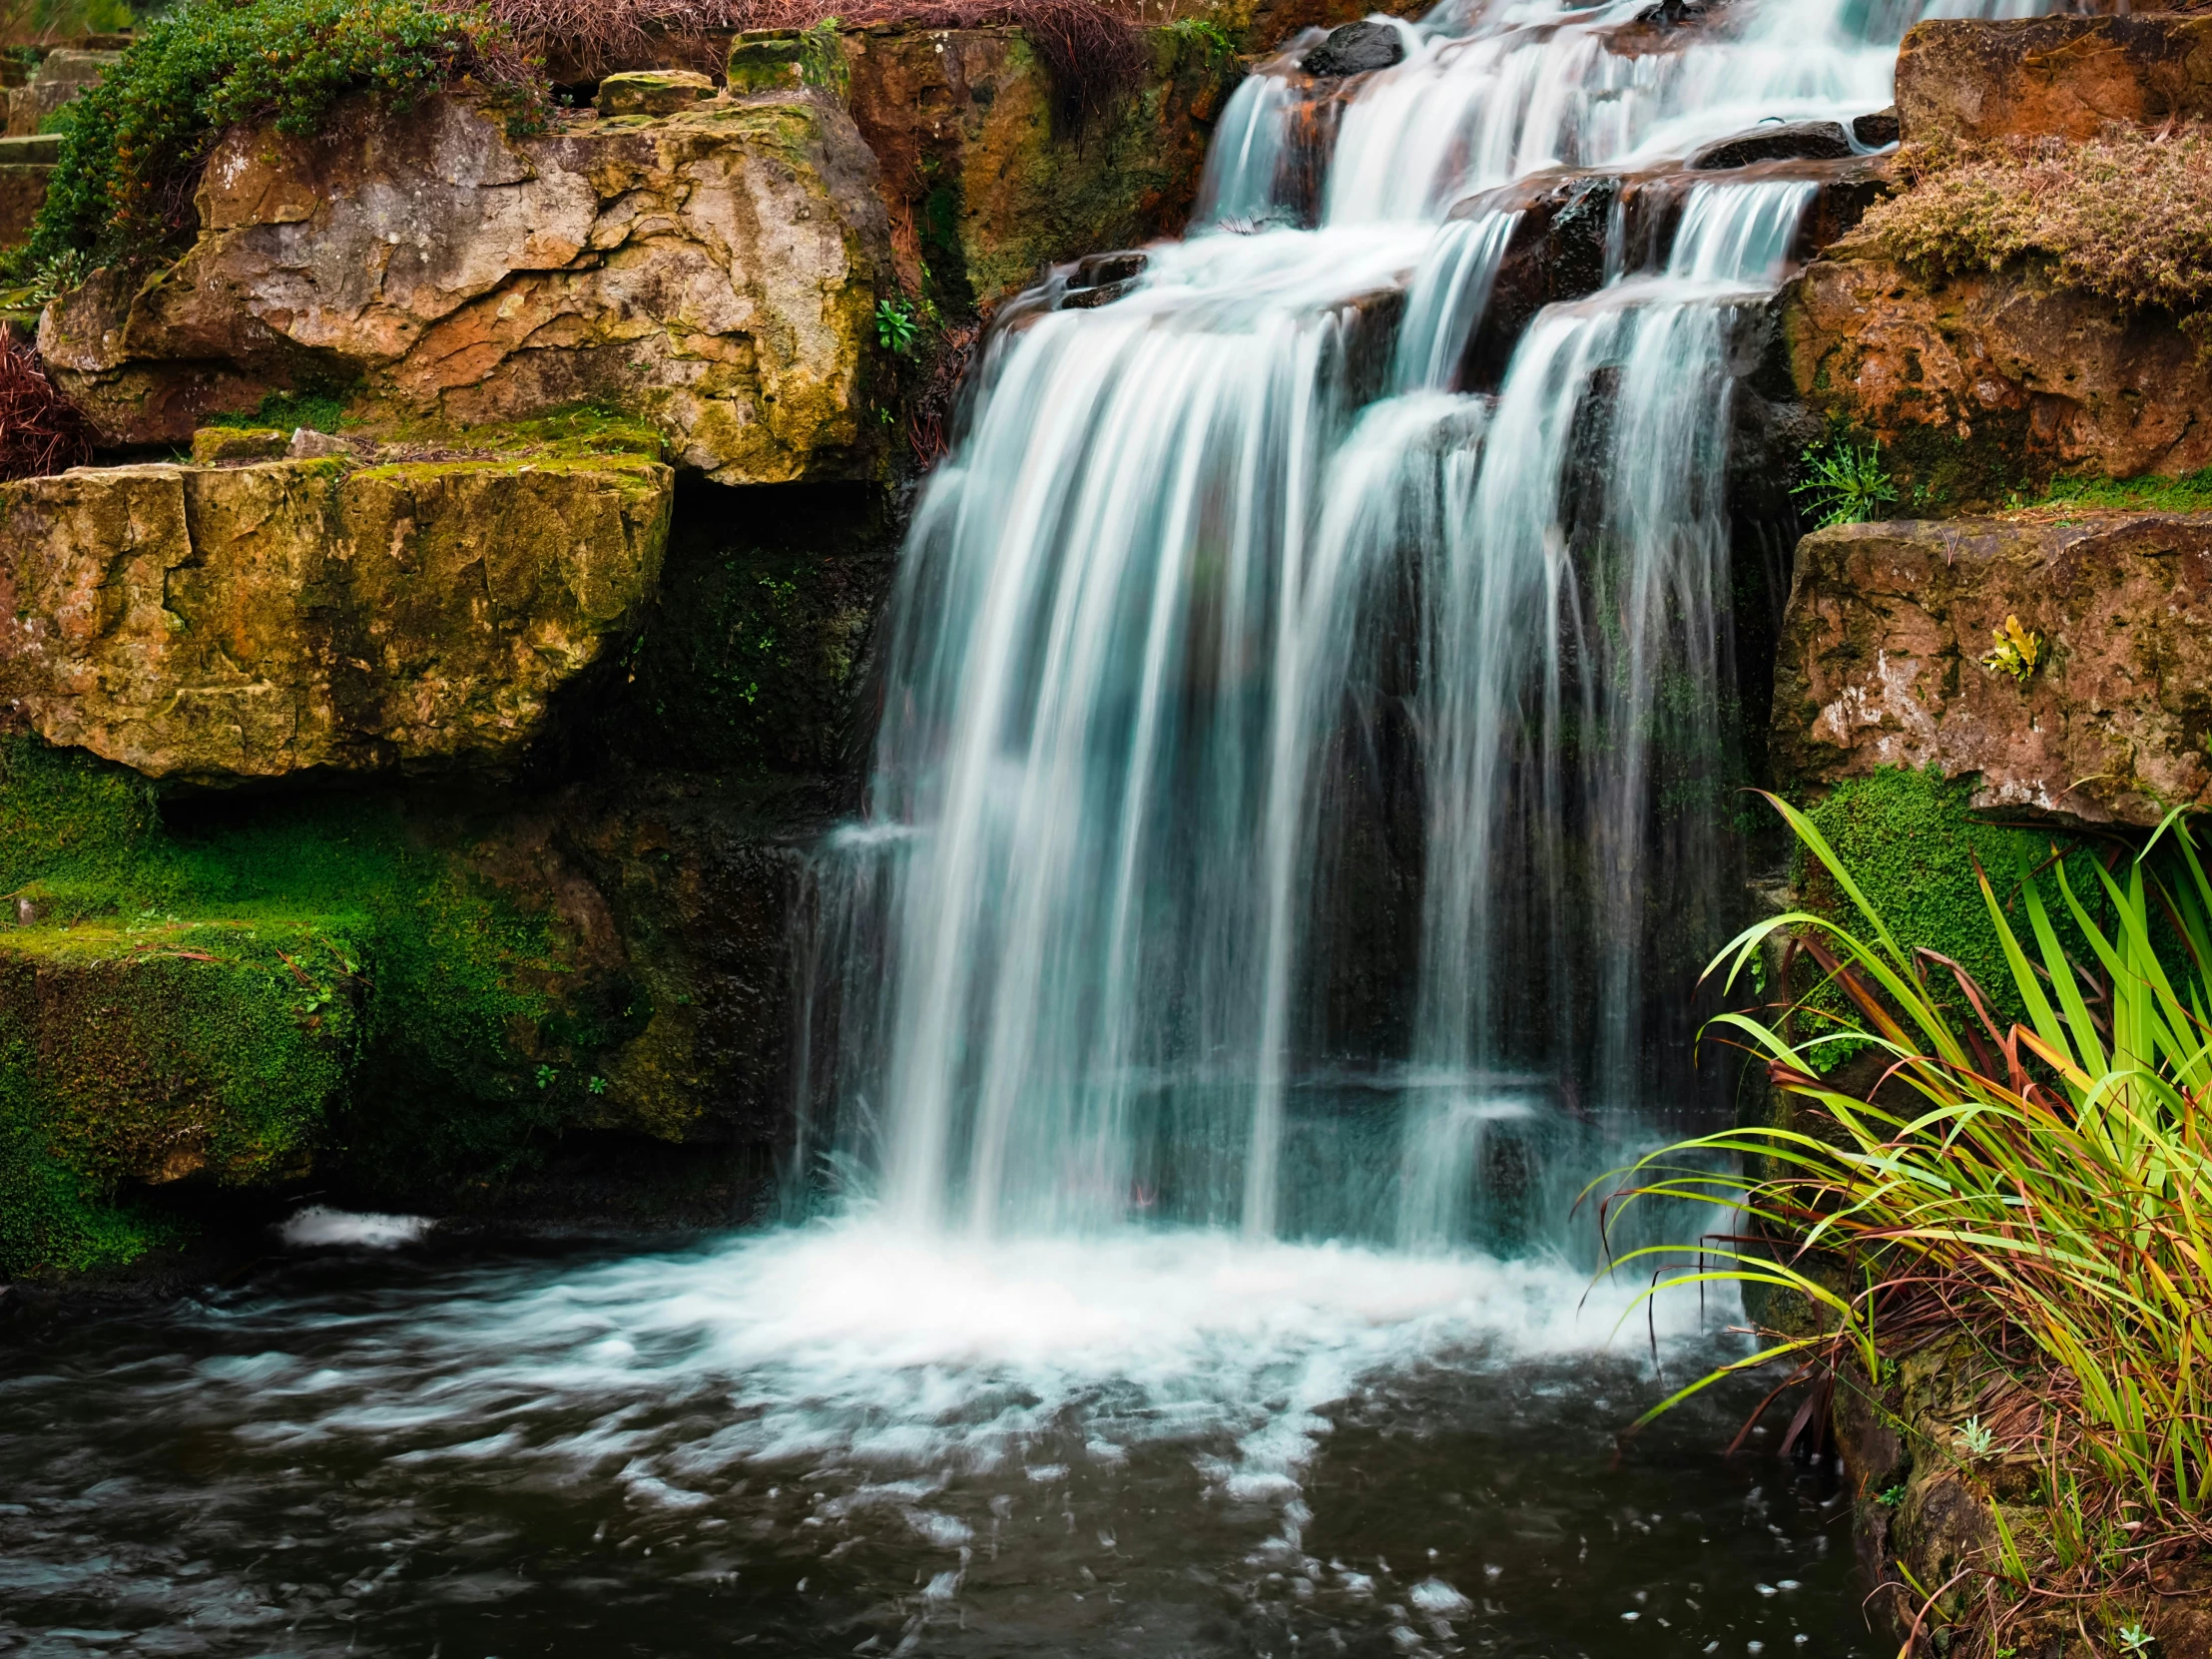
1354,49
1877,131
1096,271
1671,14
1796,141
1090,298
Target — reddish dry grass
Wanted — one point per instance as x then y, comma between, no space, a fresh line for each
41,431
2127,215
1089,51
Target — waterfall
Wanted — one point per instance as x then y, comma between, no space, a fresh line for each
1293,758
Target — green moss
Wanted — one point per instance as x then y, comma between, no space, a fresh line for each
1912,843
324,979
320,410
2189,494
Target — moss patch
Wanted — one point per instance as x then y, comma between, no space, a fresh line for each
2189,494
228,999
1912,843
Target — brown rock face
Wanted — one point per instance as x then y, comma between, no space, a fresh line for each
252,620
2057,379
714,272
982,186
2068,76
1880,661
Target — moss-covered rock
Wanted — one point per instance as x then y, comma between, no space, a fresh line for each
712,274
653,92
1881,660
249,621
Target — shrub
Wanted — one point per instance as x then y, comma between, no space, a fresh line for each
2043,1189
133,145
2127,215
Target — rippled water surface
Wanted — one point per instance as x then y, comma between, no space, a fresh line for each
840,1440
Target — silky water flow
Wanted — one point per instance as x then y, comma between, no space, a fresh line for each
1298,811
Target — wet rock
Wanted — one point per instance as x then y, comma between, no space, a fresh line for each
1355,49
1793,141
985,184
224,623
2068,76
713,272
1995,377
1100,280
1557,253
653,92
1879,661
1877,131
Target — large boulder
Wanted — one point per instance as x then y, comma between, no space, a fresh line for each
1881,660
1985,379
714,272
2061,76
223,622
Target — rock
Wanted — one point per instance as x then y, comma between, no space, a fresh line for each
713,272
2066,76
1355,49
1793,141
62,77
1879,661
1986,381
982,185
1556,254
1877,131
223,622
653,92
779,60
212,444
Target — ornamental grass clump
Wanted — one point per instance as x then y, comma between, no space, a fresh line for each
2042,1188
133,145
2127,215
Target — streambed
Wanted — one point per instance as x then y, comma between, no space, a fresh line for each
842,1440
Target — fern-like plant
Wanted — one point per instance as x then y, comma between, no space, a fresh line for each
1844,483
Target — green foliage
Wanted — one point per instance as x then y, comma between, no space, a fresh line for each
2191,493
2126,217
318,412
1844,483
133,143
1915,847
2042,1185
1205,37
896,326
317,977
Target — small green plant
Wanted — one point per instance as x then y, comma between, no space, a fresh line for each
547,1077
1206,37
1889,1497
2134,1640
598,1085
896,328
1844,483
1974,1439
2018,651
60,274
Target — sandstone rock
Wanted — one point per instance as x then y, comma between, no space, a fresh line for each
2018,377
1793,141
2068,76
249,622
1354,49
212,444
713,272
61,77
1879,661
653,92
981,185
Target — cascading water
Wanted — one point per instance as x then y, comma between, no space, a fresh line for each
1306,741
1296,760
